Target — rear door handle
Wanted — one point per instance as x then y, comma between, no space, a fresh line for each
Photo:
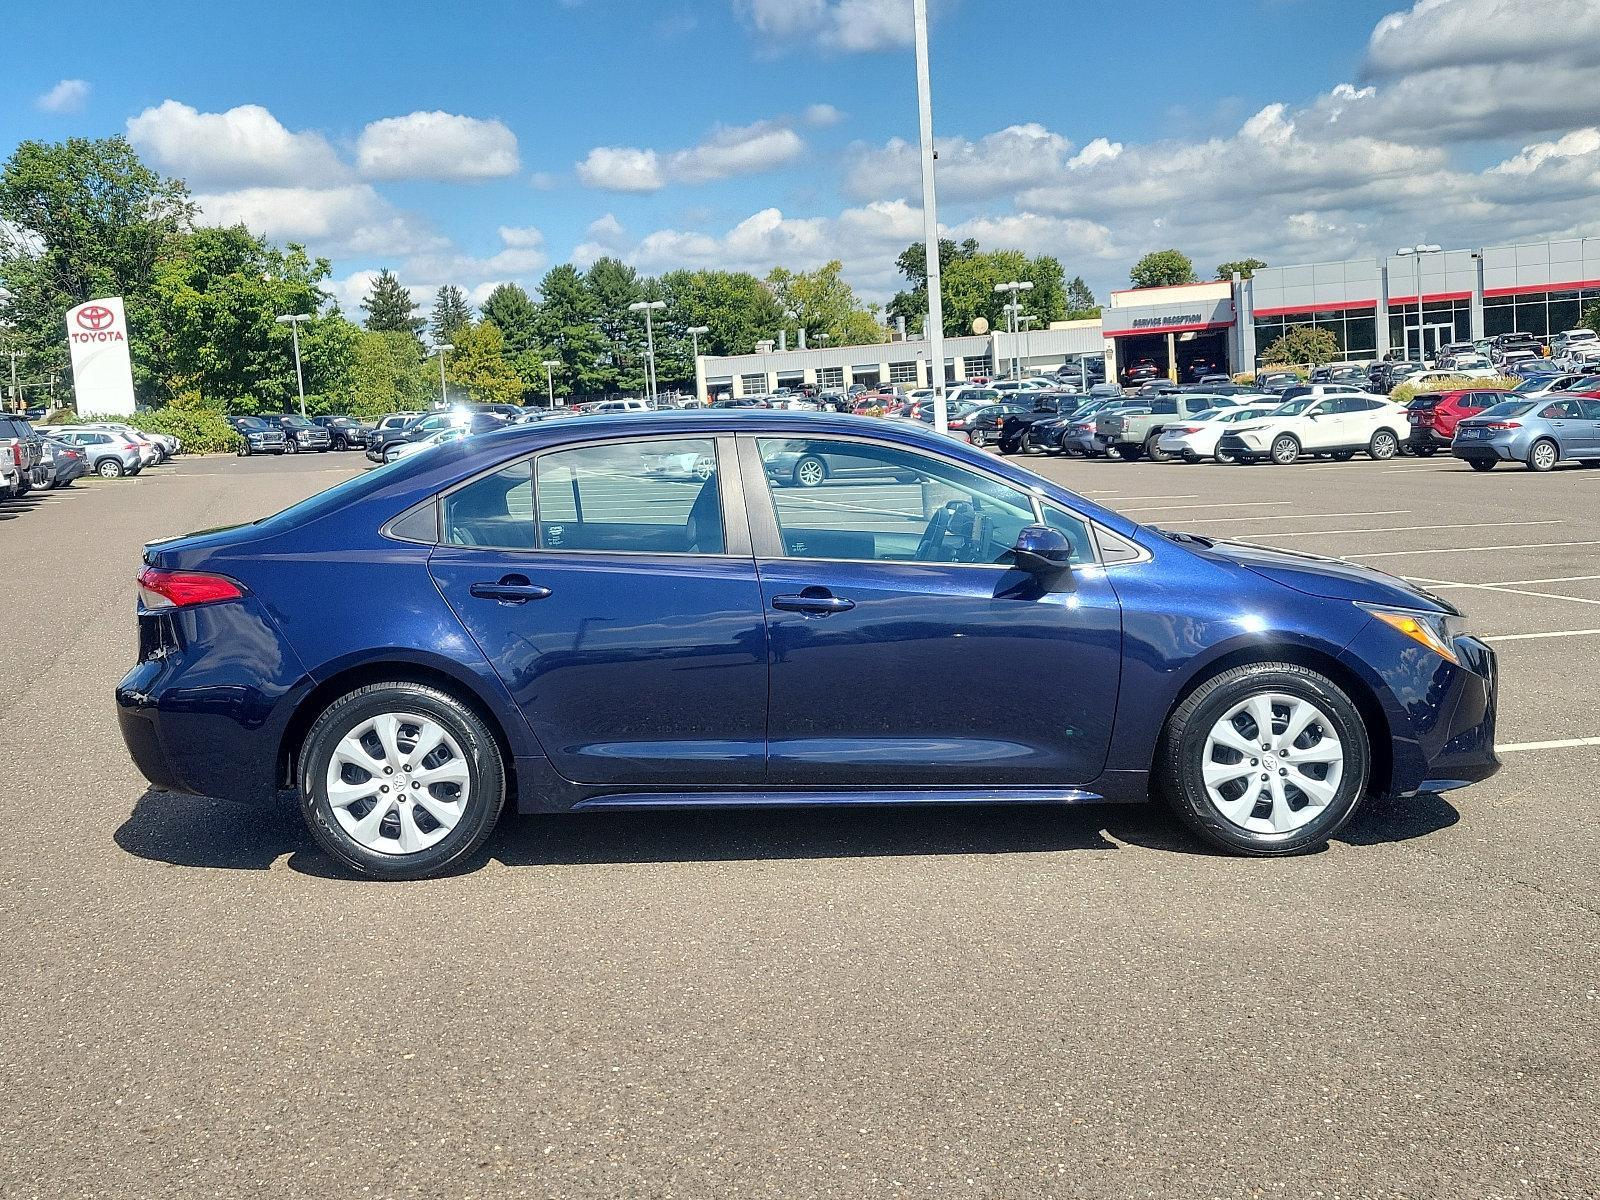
513,589
816,605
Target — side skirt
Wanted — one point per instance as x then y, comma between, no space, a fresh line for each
897,796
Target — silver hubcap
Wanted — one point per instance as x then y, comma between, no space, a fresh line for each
704,468
1383,445
398,783
1272,763
1544,454
810,473
1285,450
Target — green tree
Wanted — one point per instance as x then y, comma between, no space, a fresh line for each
450,312
478,365
568,328
390,308
80,220
1081,304
824,303
1302,345
969,278
1245,266
516,315
389,374
1163,268
614,285
216,297
1591,317
736,308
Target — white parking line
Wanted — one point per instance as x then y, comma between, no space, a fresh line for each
1411,529
1566,743
1554,633
1395,512
1441,584
1121,499
1228,504
1472,550
1372,466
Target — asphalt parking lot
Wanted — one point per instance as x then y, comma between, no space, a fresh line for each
1006,1003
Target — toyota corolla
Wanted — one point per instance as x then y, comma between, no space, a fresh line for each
541,617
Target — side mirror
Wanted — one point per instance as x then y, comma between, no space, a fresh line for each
1042,551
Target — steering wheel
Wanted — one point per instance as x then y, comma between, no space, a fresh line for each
964,519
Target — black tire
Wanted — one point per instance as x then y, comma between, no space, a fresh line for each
1025,443
1342,455
1425,449
290,446
1180,757
1153,452
1482,464
244,450
1222,456
1383,446
1543,455
106,468
1130,453
1285,449
980,439
809,472
1189,456
481,753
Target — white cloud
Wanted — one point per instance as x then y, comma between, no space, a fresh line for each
244,146
1451,34
621,169
351,220
543,181
68,96
729,151
849,26
822,116
995,165
437,145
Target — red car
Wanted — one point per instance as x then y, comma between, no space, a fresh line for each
1433,416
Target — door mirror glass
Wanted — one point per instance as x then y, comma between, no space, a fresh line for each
1042,551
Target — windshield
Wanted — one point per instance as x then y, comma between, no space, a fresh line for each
1533,383
253,424
1508,408
1294,407
297,423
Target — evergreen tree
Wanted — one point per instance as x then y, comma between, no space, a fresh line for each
390,308
1081,304
516,315
568,328
450,313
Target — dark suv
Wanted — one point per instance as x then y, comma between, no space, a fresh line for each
258,435
301,434
347,432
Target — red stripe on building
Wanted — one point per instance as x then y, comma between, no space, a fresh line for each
1531,289
1316,308
1122,333
1430,297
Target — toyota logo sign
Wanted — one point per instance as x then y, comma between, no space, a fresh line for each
95,317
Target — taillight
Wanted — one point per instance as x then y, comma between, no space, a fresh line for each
16,454
130,446
160,588
1503,425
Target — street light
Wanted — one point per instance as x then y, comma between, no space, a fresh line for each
444,394
1012,309
550,364
647,307
930,214
293,321
1415,253
1027,320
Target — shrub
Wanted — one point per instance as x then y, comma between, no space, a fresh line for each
202,431
1302,344
1405,393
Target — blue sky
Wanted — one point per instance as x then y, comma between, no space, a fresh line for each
469,143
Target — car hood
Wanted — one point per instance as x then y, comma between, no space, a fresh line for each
1331,578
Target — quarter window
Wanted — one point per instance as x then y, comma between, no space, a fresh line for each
865,502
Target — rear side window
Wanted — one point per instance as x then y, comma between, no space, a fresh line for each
648,497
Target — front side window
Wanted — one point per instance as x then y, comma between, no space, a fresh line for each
859,501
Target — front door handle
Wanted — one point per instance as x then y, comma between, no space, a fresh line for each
816,605
513,589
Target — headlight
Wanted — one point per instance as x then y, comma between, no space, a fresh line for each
1435,630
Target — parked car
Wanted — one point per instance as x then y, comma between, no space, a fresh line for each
1271,380
259,435
63,463
739,402
10,472
651,659
1079,435
151,451
1434,416
1567,341
1384,377
1196,437
1135,433
1339,424
390,422
23,446
1142,371
985,423
380,446
106,454
346,433
1016,431
1538,433
620,406
1354,374
398,450
301,434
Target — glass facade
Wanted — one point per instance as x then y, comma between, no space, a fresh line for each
1443,321
1355,329
1543,314
903,372
830,377
979,364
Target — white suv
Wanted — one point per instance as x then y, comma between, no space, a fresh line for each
1337,425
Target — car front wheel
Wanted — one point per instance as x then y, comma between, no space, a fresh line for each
291,446
1285,450
400,781
1265,759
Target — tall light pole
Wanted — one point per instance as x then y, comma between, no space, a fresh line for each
1013,289
1415,253
550,364
694,332
293,321
444,393
647,307
1026,320
930,216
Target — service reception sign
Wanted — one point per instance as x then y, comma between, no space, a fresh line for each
102,372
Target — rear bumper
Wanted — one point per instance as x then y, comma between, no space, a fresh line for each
1491,450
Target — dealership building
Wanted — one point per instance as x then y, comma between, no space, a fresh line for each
1370,305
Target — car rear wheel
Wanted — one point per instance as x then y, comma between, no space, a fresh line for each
109,468
1130,453
1543,456
1383,446
1481,464
400,781
1153,452
1265,759
810,472
979,438
1189,456
1285,449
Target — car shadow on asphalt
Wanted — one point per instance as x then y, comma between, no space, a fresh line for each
193,831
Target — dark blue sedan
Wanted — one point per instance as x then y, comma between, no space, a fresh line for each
544,614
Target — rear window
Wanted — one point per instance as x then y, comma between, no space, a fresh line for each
1507,408
1422,403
